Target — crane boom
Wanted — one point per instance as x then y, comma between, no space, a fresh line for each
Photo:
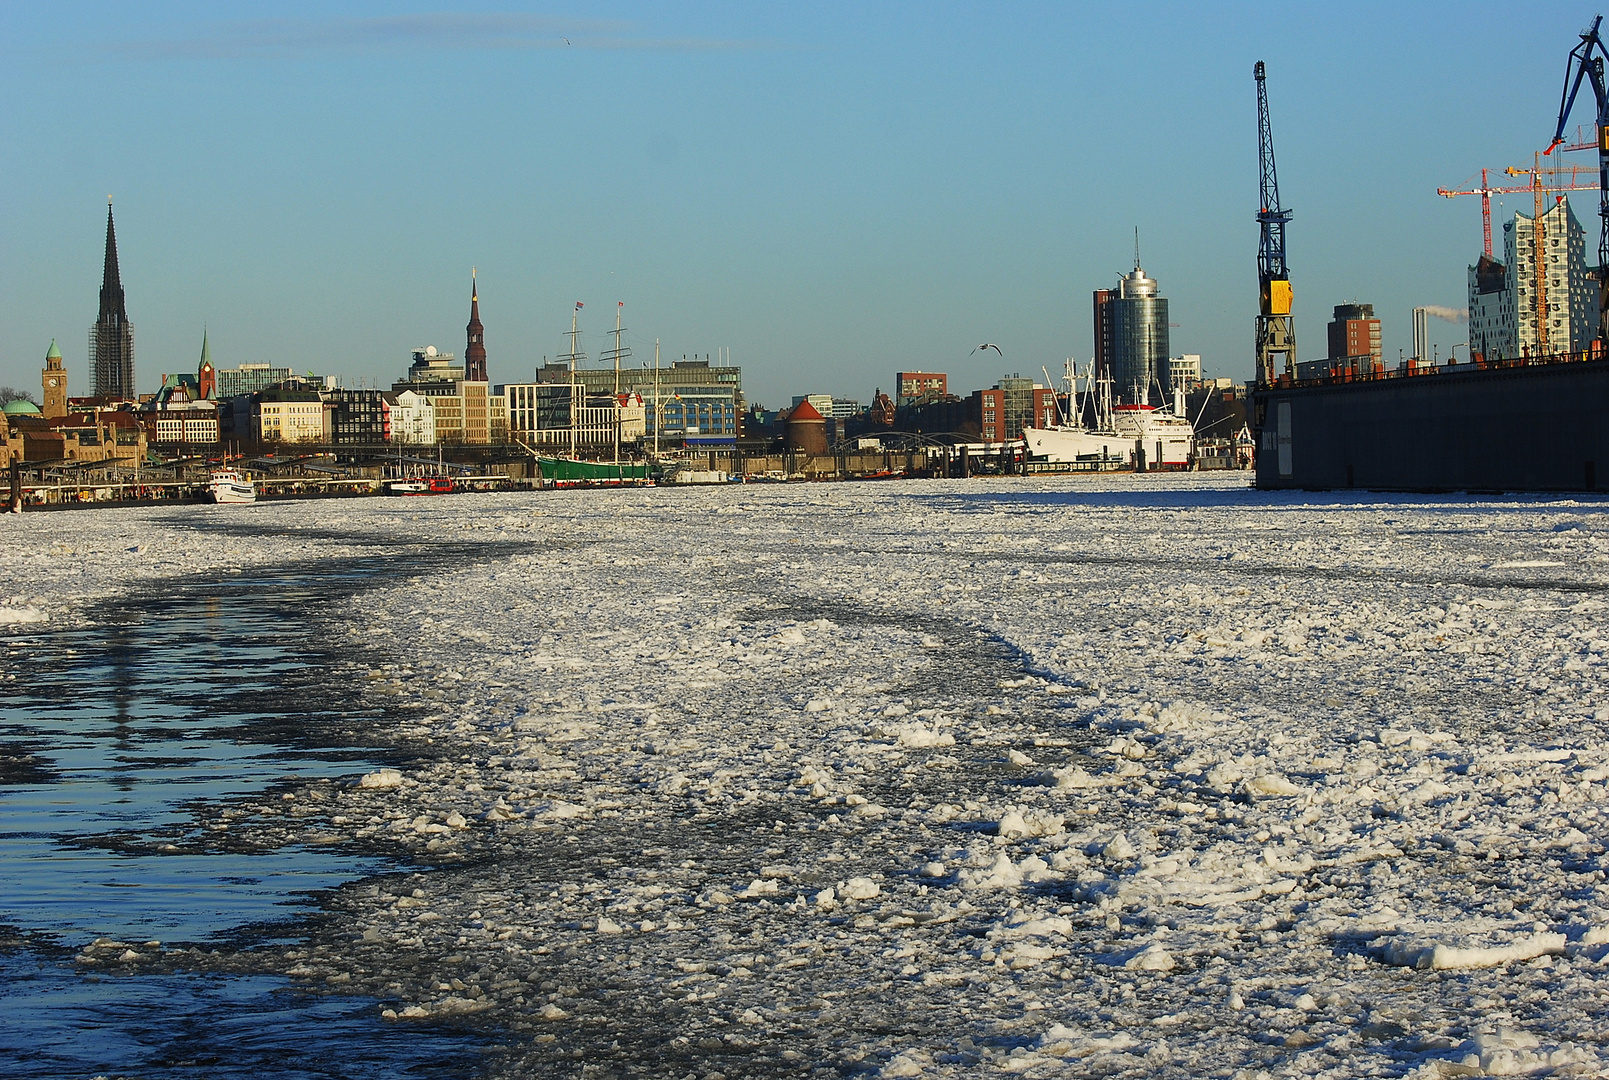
1486,191
1586,62
1276,333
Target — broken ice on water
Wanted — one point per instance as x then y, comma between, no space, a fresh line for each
1094,777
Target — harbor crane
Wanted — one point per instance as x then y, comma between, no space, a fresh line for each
1276,333
1586,62
1485,190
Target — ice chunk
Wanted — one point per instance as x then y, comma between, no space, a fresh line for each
1270,784
860,888
919,737
1510,1052
1151,958
1119,847
1071,778
905,1063
28,614
1019,823
381,778
1437,956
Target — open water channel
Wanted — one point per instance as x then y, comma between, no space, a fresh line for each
122,744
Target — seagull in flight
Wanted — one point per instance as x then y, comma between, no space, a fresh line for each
988,345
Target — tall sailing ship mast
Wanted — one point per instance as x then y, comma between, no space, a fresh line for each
574,357
617,354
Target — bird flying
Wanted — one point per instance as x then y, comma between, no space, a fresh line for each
987,345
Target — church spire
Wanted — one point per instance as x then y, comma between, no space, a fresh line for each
475,350
111,280
111,340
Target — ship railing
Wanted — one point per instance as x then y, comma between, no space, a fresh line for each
1419,369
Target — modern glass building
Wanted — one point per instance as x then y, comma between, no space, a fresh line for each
1139,337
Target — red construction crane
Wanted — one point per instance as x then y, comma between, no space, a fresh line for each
1486,191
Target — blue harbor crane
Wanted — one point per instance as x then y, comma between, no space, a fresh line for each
1586,61
1276,332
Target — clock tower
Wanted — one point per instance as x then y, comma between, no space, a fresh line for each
53,380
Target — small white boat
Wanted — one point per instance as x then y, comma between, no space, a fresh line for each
229,486
423,485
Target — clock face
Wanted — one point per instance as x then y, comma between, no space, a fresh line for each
52,382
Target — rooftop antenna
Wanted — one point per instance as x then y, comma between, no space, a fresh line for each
1136,247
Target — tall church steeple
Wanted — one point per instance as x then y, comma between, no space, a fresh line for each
475,350
111,339
206,375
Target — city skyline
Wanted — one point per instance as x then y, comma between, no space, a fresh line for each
832,194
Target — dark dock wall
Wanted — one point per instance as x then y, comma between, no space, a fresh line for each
1543,428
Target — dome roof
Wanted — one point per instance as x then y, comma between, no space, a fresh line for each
20,407
804,412
54,353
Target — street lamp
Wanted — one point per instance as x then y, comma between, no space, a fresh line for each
1452,354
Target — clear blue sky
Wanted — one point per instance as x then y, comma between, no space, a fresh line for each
832,191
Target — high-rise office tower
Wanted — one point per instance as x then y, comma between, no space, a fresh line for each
1139,336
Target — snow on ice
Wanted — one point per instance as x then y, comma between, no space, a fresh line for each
1121,777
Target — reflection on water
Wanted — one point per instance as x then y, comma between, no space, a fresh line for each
200,1027
122,740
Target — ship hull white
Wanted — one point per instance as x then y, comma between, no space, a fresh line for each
1168,444
232,493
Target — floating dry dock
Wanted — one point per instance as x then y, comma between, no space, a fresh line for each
1522,425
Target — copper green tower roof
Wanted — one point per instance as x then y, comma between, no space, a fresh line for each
54,353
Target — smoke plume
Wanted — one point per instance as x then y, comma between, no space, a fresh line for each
1451,314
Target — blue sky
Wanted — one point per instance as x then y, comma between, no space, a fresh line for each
831,191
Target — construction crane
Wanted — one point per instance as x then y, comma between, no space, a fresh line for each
1276,333
1586,62
1486,191
1539,231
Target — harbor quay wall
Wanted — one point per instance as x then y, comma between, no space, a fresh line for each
918,462
1532,428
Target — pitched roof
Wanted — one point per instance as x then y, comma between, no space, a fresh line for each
804,411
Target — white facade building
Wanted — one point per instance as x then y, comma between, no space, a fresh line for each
413,419
1183,371
290,416
1571,296
562,415
194,423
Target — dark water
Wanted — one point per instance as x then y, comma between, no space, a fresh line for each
120,745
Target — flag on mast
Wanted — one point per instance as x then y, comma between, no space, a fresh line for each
579,305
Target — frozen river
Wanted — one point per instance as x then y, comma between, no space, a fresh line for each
1133,776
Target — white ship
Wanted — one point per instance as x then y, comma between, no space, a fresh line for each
1124,436
229,486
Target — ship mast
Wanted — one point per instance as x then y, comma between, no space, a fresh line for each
616,354
574,356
